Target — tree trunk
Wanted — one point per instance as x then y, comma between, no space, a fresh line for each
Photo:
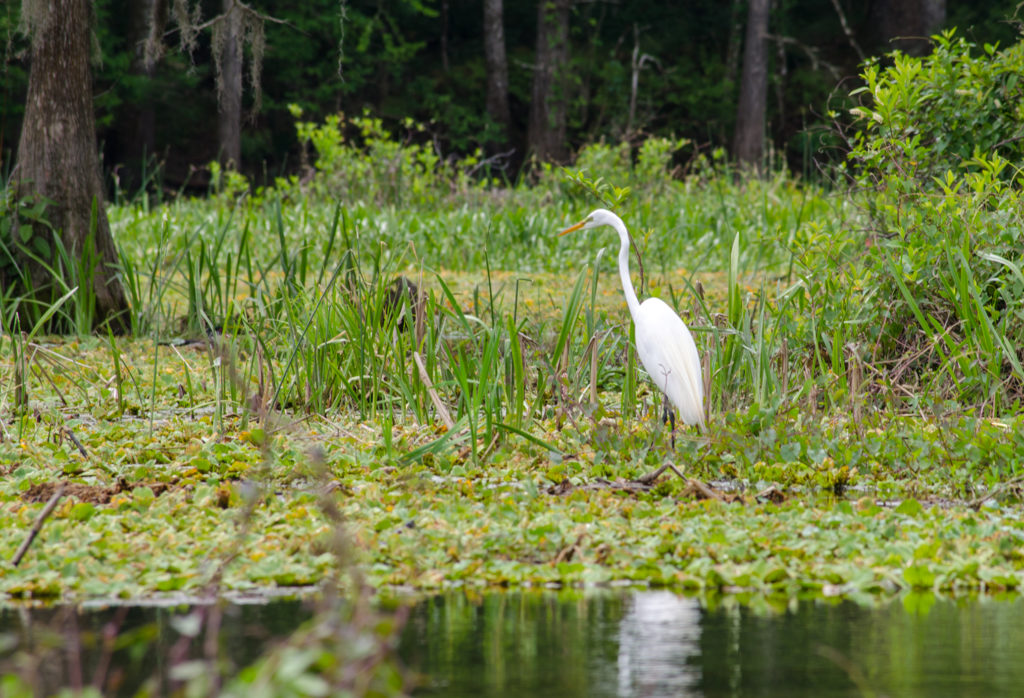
444,36
149,18
748,139
733,43
906,25
229,85
549,104
57,153
497,66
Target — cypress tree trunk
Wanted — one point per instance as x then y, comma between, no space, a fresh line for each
57,153
149,18
230,86
748,138
497,65
548,107
907,24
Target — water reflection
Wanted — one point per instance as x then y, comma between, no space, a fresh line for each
658,639
126,648
656,643
570,643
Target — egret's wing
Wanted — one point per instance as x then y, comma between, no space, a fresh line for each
669,354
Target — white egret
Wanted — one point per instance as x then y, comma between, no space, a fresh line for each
663,342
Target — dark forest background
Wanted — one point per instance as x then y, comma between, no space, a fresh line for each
627,69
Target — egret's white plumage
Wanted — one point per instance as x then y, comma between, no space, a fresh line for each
663,342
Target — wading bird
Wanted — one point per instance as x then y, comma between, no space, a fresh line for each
663,342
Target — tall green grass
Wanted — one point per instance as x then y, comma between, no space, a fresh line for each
301,291
785,288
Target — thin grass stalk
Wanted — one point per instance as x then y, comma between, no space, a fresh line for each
732,359
995,344
189,388
460,371
516,384
147,302
761,355
932,329
152,391
332,235
85,266
19,341
298,338
118,381
488,384
290,281
217,371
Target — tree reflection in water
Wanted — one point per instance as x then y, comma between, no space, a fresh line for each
591,644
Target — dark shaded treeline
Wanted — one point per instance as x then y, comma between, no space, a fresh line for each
616,70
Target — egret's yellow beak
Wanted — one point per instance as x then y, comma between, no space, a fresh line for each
574,228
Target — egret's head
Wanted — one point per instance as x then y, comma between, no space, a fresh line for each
596,219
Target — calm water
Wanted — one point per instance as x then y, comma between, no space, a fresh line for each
650,643
661,644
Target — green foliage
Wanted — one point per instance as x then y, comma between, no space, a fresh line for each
300,344
932,154
44,287
950,110
19,216
373,166
646,173
418,60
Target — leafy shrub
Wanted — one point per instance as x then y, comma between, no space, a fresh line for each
646,172
922,116
43,287
931,157
375,167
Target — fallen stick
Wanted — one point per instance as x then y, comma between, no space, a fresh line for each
442,411
703,490
649,478
78,444
994,492
38,525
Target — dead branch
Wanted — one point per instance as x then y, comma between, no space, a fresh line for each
442,411
38,525
650,478
847,30
74,439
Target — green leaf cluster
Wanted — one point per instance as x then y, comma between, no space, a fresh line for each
932,153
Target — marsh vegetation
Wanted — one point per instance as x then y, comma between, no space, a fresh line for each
281,417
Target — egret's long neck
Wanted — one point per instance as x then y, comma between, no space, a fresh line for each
627,285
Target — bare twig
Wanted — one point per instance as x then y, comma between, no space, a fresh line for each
592,349
993,493
495,160
650,478
38,525
244,8
703,490
568,552
847,30
442,411
636,64
817,62
74,439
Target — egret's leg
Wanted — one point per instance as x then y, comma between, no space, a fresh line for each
668,416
